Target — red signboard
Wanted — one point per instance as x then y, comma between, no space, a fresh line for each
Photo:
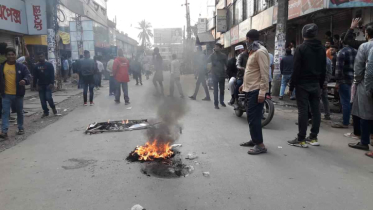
37,14
10,14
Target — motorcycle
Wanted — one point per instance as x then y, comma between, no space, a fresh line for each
268,110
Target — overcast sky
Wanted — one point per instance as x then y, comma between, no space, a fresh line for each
160,13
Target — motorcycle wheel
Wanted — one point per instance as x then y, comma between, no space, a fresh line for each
238,112
268,112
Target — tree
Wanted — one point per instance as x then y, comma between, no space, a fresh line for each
145,33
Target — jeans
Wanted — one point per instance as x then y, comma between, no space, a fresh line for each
111,85
80,83
219,84
345,98
357,126
232,84
98,78
178,84
7,102
325,102
201,80
308,96
254,112
124,86
45,95
239,82
88,82
366,130
138,77
284,82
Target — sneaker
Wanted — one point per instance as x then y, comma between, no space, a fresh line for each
3,136
127,103
352,135
292,98
92,104
21,132
206,99
217,107
339,125
45,115
55,111
281,98
192,97
85,104
297,143
117,101
223,104
312,141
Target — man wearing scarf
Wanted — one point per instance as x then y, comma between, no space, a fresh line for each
255,86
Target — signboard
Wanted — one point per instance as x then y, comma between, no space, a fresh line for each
220,4
36,17
202,25
13,16
234,35
229,2
298,8
210,24
221,20
227,39
168,35
350,3
243,28
262,20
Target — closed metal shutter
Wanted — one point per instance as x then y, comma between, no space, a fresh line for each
342,21
7,38
323,24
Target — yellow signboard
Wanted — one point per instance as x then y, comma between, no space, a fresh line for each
65,37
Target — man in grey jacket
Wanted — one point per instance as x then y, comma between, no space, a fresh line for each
363,100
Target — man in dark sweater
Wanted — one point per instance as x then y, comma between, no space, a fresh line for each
44,82
308,78
286,68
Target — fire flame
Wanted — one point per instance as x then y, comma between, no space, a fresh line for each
155,150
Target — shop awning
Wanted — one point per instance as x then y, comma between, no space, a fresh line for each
36,40
205,37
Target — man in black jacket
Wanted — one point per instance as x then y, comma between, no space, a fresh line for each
13,78
44,82
286,68
308,78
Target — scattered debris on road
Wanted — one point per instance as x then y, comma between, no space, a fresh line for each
117,126
191,156
137,207
206,174
129,108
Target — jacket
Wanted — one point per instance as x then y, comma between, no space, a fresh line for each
175,69
232,68
87,67
344,72
135,67
354,43
241,64
309,64
22,74
369,73
120,69
200,63
219,63
43,74
286,65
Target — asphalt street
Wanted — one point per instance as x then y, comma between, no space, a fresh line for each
61,168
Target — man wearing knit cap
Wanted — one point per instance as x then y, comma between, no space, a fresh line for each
308,78
255,86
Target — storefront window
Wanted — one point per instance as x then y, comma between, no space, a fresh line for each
230,17
101,35
238,12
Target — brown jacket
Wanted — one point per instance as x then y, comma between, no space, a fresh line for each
257,72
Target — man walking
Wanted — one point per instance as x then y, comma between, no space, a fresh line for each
13,78
136,69
200,66
344,75
363,100
88,69
308,78
158,67
255,87
175,77
109,68
218,61
100,69
286,68
120,73
44,82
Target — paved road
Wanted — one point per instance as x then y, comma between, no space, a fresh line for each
61,168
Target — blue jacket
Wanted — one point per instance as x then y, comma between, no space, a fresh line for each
22,74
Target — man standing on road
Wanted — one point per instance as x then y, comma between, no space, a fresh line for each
109,68
286,68
308,78
100,69
65,67
344,75
120,72
363,99
218,61
44,82
136,69
175,77
255,87
158,67
200,66
13,78
88,69
241,66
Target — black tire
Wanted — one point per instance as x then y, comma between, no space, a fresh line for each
269,107
238,112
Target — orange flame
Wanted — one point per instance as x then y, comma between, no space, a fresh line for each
155,150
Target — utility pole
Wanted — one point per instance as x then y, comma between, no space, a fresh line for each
188,44
79,29
189,30
52,40
280,41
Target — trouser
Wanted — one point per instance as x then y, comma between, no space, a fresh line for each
88,83
65,75
138,77
345,98
156,85
178,84
7,102
231,85
45,95
325,102
357,126
124,87
308,97
366,130
284,83
219,84
80,83
201,80
270,88
97,77
239,82
254,112
111,86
